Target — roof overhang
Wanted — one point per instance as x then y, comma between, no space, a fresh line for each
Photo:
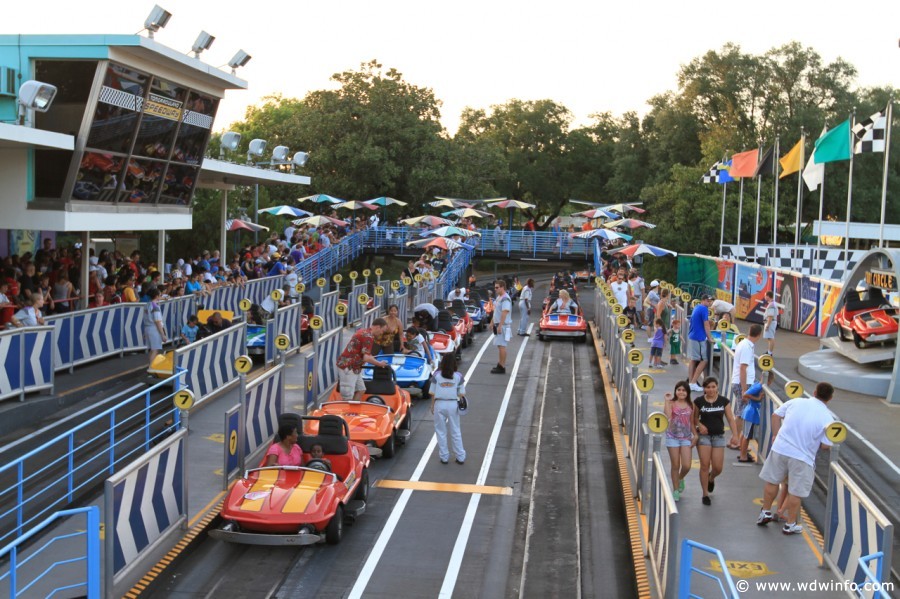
19,137
218,174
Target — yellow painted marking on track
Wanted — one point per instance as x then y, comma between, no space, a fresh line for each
209,506
444,487
303,492
810,529
217,437
218,472
656,404
742,569
265,482
294,387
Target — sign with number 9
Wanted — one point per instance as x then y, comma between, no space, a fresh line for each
723,325
341,309
363,299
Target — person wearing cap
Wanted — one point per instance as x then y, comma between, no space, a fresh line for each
743,373
652,301
700,342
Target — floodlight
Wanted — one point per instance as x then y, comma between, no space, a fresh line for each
300,158
34,95
238,60
257,149
203,42
280,154
156,20
229,143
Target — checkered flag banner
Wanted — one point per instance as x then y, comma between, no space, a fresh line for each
869,134
713,175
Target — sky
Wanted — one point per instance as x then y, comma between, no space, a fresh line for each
589,56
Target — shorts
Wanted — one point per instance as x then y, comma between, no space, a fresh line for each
656,351
769,334
698,351
675,348
748,429
152,338
350,382
739,402
799,474
673,442
712,440
502,338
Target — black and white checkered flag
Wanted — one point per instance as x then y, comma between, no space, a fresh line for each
713,175
869,133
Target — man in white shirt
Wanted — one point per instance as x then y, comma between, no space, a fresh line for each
723,309
289,233
771,322
798,430
743,373
291,278
621,289
458,293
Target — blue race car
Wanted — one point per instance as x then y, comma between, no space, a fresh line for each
477,314
256,340
410,371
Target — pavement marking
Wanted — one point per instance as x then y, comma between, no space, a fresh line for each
293,387
445,487
462,539
217,437
362,581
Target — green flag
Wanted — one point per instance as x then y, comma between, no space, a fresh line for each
834,145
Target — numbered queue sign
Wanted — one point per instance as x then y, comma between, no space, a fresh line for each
183,399
367,273
282,342
378,272
379,290
243,364
316,323
657,422
645,383
628,335
765,362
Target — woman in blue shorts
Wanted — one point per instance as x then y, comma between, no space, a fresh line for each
710,412
680,436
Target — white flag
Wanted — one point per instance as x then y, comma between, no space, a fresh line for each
814,173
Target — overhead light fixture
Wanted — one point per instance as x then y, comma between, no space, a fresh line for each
280,155
238,60
34,96
156,20
229,143
256,150
300,159
203,42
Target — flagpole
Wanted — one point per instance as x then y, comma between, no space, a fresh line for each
740,211
819,236
884,181
758,196
775,165
722,227
849,188
800,198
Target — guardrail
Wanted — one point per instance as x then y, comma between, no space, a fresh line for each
662,544
27,357
60,470
687,569
209,362
88,335
873,579
59,568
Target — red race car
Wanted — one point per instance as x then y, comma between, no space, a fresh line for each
300,505
381,419
569,324
867,317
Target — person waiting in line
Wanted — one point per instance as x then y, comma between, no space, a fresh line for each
711,410
449,386
29,315
680,436
391,339
525,307
285,451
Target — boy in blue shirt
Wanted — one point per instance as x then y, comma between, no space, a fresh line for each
189,331
751,419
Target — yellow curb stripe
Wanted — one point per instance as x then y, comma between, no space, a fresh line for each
442,487
809,532
642,580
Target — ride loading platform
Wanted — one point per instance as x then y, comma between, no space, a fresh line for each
690,544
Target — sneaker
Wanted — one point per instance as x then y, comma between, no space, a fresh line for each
791,528
445,462
460,462
498,370
696,387
673,361
681,486
711,485
676,495
707,501
764,518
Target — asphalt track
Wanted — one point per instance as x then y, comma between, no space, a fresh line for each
544,519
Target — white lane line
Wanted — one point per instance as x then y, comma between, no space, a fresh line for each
577,487
462,539
362,581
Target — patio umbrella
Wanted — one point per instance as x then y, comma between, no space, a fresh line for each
607,234
511,205
319,220
598,213
445,243
428,219
467,213
384,202
644,249
449,203
623,208
236,224
321,198
628,223
450,232
286,211
354,205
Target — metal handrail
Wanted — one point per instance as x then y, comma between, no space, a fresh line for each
687,568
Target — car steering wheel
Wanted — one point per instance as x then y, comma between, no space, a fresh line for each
376,399
318,464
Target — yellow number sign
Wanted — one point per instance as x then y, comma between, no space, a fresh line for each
685,297
395,285
657,422
644,383
337,278
367,273
353,275
418,277
245,304
617,309
379,291
723,325
321,282
766,362
277,295
406,281
243,364
363,299
628,336
282,342
738,339
635,356
309,381
622,321
677,291
341,309
378,272
232,443
184,399
794,389
316,323
836,432
597,281
300,287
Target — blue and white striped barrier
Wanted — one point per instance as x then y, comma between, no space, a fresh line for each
27,358
325,309
356,310
263,403
232,464
286,322
369,317
662,546
210,361
855,527
401,300
133,327
309,366
327,351
145,507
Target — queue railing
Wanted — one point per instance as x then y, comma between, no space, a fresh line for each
27,358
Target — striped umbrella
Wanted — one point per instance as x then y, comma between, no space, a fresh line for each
607,234
467,213
236,224
286,211
450,232
644,249
428,219
354,205
598,213
623,208
319,220
321,198
628,223
445,243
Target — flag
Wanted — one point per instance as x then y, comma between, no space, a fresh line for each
790,162
766,165
834,145
814,173
744,164
718,173
869,134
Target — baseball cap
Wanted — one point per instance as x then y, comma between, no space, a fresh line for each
654,283
705,297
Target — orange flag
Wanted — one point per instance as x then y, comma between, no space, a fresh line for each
744,164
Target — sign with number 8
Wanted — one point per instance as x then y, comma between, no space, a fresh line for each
766,362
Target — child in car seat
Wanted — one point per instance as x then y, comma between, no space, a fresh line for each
317,452
413,343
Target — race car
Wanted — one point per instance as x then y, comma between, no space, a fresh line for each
463,324
582,275
569,324
729,339
380,420
409,370
867,317
256,341
300,505
479,317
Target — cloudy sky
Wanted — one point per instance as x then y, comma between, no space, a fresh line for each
589,56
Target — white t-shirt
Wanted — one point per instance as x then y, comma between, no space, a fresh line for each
744,353
772,310
620,291
526,294
453,295
291,279
721,307
803,429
